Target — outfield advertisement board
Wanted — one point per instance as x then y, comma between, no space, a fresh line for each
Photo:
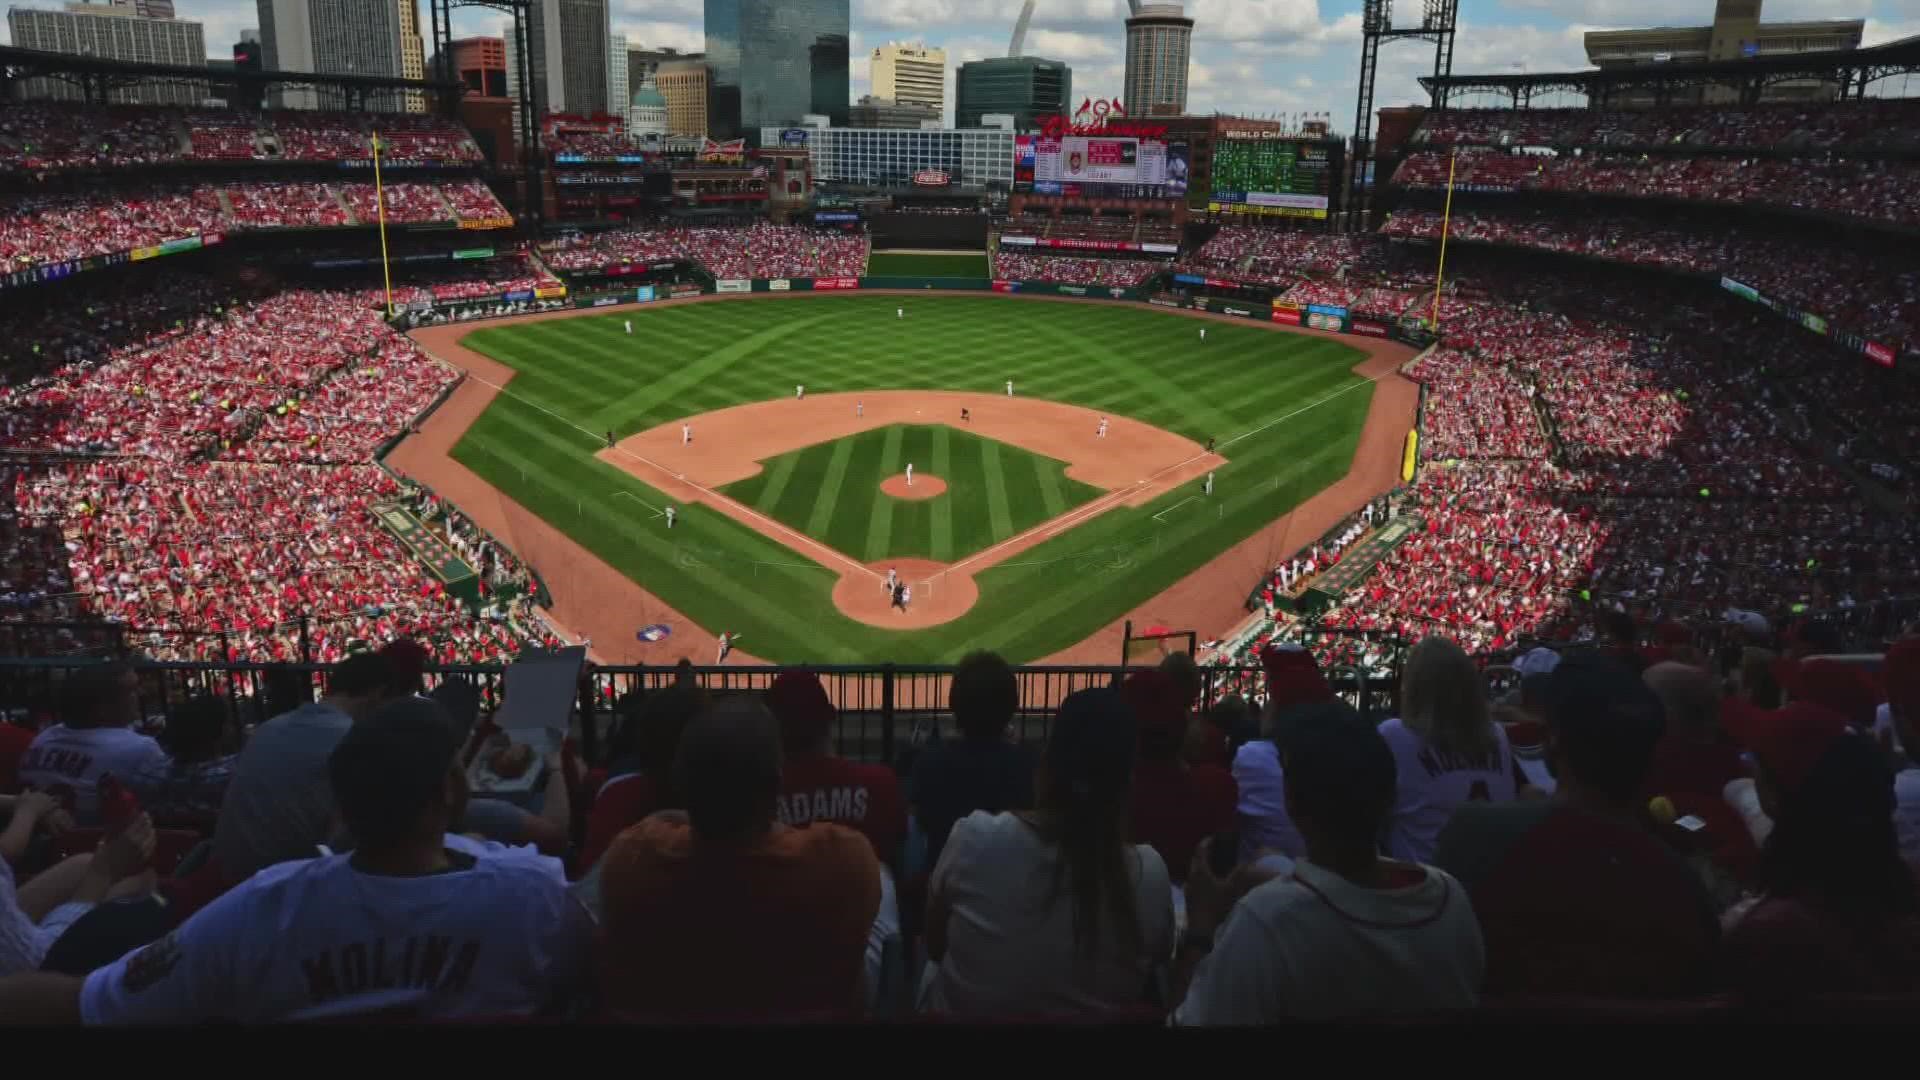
643,295
1006,286
1287,315
779,284
733,285
827,283
1878,353
1369,329
684,290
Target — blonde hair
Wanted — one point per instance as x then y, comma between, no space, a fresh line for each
1444,699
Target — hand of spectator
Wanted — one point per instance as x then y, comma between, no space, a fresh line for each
127,852
34,805
1210,897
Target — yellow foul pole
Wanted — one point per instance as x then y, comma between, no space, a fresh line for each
1446,220
380,196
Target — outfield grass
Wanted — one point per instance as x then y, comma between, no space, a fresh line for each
957,265
1285,407
831,492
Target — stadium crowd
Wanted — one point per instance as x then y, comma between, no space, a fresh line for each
39,137
1071,270
1270,256
1696,844
1862,124
757,250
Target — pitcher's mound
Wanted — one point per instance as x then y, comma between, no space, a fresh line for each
938,596
924,486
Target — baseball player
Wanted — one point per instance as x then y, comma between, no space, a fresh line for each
965,416
726,647
1208,490
686,434
906,596
1209,444
670,516
893,579
1203,333
899,313
1009,387
609,440
629,327
799,393
900,597
1102,433
909,474
859,408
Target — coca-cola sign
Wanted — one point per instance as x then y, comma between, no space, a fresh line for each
931,178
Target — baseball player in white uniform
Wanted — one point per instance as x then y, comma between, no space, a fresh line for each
1102,433
909,474
1209,488
1009,387
859,408
670,516
799,393
629,327
726,646
899,313
686,434
893,578
1203,333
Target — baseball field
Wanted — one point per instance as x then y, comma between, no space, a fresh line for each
1030,525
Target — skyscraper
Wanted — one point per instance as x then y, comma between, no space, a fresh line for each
568,49
1024,87
911,75
1159,40
112,32
413,56
619,94
684,83
332,37
774,61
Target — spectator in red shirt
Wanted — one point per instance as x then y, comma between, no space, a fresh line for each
1837,910
1174,806
1576,894
723,911
816,785
631,796
1695,761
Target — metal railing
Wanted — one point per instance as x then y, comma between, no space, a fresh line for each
882,707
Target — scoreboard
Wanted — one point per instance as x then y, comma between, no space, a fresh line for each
1278,177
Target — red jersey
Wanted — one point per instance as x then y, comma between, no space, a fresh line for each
1174,808
819,787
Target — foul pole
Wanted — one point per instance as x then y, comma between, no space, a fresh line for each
380,197
1446,220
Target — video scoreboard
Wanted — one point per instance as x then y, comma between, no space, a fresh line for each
1280,177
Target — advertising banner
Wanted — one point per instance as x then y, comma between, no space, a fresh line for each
550,292
1006,286
1320,321
1245,313
1189,279
517,295
1161,249
643,295
1159,302
1018,241
1073,290
1369,329
1266,211
1879,354
779,284
1101,159
1288,315
733,285
487,223
793,136
1744,291
1069,244
1328,309
684,290
834,217
828,283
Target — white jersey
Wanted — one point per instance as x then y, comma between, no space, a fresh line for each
63,760
1432,785
317,938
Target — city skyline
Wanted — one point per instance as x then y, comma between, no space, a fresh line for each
1251,57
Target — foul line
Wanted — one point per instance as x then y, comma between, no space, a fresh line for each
1161,516
680,477
657,512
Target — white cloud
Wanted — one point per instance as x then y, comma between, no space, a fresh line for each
1879,31
1069,45
655,34
224,19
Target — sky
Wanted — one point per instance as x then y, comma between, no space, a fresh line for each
1250,57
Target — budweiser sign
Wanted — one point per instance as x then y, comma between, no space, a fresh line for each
931,178
1099,118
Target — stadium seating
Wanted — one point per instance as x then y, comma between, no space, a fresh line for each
1067,270
759,250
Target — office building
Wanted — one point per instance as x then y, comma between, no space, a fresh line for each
332,37
112,32
1159,41
685,86
148,9
568,44
1023,87
878,157
1736,33
878,112
643,65
911,75
480,63
413,54
773,61
619,94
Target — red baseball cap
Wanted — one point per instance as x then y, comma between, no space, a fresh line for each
1293,677
1158,704
1841,687
800,704
1788,741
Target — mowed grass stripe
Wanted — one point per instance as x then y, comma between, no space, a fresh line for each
778,475
940,513
880,522
999,514
1047,475
828,496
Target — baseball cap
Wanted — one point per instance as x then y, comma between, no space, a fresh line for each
1751,621
1293,677
1158,703
1788,741
800,704
1840,687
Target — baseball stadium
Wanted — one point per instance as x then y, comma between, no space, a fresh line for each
477,562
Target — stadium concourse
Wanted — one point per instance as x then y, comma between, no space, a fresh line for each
1640,518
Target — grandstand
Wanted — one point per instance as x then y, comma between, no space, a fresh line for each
1662,483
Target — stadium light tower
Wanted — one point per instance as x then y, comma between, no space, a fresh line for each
1437,21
